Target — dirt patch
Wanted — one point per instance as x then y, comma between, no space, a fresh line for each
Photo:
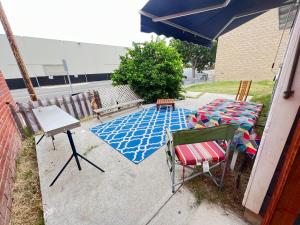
231,196
27,204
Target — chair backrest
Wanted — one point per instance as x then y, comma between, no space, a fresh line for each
243,90
222,132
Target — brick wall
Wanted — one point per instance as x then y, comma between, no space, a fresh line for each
10,141
248,51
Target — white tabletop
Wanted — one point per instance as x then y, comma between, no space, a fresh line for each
54,120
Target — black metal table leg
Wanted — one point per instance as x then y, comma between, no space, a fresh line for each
75,155
73,148
52,138
90,162
40,139
61,171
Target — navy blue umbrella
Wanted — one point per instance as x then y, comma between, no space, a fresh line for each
201,21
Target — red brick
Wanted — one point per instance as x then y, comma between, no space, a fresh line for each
10,143
2,220
7,217
3,206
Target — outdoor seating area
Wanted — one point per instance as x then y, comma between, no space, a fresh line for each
190,116
199,135
136,134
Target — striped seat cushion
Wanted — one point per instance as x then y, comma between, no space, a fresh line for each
193,154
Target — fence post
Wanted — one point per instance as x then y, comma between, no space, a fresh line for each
65,104
74,107
17,119
86,104
80,106
57,102
40,102
26,119
98,100
48,101
31,106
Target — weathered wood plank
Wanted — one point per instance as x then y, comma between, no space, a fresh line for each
31,106
17,119
57,102
40,102
48,102
80,106
89,96
98,99
74,107
86,104
65,104
25,117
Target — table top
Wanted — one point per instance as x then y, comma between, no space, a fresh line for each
165,101
53,120
241,114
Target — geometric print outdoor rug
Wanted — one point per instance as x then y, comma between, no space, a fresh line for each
138,135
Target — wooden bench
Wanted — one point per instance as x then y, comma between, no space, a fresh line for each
114,99
161,102
120,106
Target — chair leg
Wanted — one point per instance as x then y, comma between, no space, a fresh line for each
223,174
173,174
183,171
99,117
173,180
234,159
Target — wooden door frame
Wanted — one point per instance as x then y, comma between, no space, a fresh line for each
284,173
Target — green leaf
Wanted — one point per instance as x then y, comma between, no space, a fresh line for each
195,56
152,69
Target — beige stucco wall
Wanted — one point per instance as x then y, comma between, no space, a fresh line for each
248,51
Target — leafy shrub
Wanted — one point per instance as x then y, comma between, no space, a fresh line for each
152,69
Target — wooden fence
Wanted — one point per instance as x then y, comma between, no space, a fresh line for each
78,105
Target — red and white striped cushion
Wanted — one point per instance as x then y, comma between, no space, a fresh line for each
193,154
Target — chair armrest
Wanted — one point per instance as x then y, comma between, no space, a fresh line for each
169,135
170,153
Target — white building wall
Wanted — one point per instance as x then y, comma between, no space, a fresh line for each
281,117
82,58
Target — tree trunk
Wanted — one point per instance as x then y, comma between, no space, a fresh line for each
194,72
194,67
15,50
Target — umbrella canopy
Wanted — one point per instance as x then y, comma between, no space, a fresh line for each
201,21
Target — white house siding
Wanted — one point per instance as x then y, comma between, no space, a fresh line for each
281,117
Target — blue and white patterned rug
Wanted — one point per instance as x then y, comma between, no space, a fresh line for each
140,134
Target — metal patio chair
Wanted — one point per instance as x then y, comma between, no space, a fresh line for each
198,147
243,90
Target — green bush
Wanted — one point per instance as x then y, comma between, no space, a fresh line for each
152,69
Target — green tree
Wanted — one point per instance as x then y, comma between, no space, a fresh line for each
152,69
195,56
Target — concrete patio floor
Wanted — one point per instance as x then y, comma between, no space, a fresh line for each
126,194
